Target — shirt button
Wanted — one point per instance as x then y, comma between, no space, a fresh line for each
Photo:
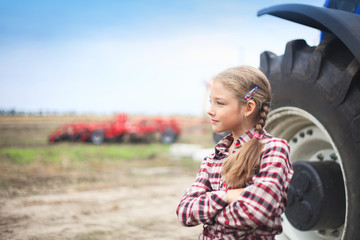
237,144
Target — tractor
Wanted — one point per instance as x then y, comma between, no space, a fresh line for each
316,108
119,129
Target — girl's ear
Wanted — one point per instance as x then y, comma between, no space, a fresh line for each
250,108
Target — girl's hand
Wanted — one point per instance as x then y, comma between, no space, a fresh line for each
233,194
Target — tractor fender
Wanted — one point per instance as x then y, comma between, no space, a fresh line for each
344,25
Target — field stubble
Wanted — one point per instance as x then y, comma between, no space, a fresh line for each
82,191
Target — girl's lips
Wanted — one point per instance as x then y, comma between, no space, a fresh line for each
214,121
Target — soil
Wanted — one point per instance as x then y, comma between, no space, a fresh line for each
142,209
41,201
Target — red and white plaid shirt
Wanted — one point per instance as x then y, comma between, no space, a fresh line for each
256,213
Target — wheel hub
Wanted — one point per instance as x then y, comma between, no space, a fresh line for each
316,196
310,142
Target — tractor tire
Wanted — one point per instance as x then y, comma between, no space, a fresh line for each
168,136
97,137
316,108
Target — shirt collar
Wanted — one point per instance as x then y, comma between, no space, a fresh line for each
225,143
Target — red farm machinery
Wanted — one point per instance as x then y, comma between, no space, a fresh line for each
118,130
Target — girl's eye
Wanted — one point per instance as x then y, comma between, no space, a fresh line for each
216,102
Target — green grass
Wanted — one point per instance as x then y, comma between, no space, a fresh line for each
84,152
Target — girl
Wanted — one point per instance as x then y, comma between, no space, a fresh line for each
240,191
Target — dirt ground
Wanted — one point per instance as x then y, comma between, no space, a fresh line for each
108,205
144,209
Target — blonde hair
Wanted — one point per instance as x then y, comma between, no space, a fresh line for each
240,166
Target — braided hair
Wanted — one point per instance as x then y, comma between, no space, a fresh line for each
259,127
240,166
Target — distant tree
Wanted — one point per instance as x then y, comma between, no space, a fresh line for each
12,112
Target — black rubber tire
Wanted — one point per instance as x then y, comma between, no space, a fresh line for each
168,136
325,82
97,137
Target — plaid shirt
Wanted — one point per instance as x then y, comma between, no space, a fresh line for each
256,213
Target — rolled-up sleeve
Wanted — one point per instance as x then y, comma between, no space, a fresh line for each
197,206
264,200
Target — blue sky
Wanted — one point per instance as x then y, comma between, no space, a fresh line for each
138,57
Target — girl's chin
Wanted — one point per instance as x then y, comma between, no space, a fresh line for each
218,130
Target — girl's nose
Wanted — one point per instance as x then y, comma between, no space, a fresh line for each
210,111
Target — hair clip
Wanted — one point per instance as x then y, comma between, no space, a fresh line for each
251,93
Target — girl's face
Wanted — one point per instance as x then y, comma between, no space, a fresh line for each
225,111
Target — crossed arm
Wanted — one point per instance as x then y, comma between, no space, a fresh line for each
248,207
